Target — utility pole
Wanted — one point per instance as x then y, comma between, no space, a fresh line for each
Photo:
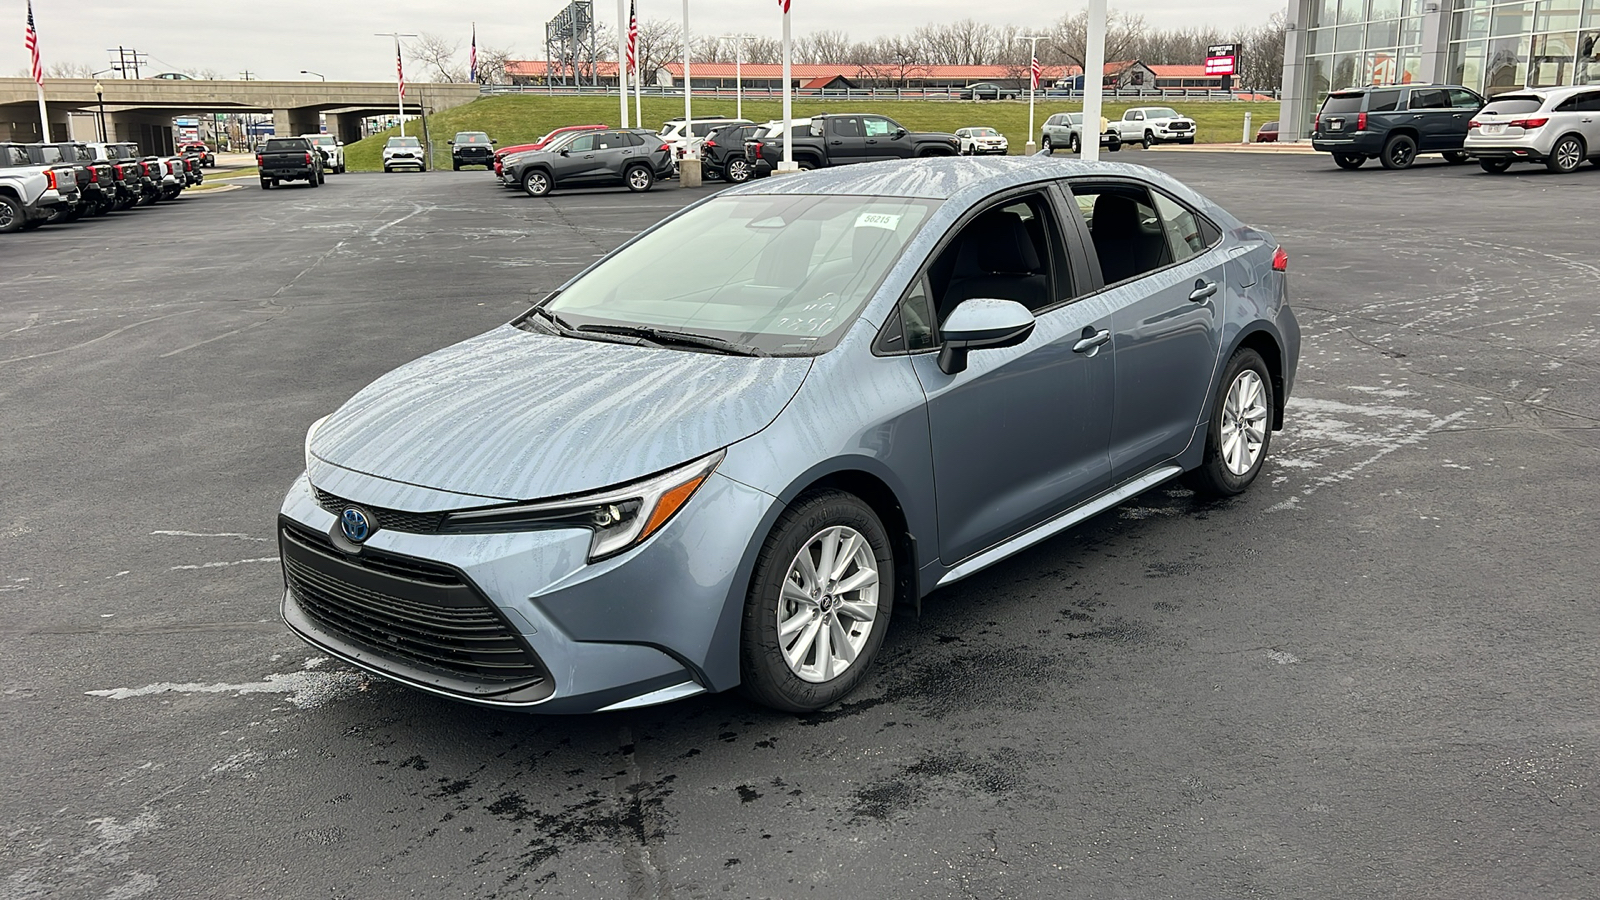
127,58
247,75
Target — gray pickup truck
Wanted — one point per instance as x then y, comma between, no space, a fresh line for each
31,195
289,159
841,139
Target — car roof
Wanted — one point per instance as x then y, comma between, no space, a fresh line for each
947,177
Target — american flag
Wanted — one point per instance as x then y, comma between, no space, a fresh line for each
472,58
399,67
784,5
1038,71
31,41
633,38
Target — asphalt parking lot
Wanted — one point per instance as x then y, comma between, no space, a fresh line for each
1372,675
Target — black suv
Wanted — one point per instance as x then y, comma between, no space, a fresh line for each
472,148
723,153
1393,123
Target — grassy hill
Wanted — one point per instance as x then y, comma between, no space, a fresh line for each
515,119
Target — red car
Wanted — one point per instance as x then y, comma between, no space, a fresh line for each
1268,133
503,152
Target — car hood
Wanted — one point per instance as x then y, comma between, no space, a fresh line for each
512,415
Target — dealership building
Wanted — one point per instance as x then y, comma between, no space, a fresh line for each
1487,45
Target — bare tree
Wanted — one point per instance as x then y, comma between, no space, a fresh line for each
827,47
437,56
1069,38
493,63
660,43
767,50
68,70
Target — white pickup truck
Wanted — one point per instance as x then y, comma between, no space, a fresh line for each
1150,125
30,194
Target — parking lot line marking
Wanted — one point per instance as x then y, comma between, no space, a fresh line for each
225,565
217,338
83,344
226,534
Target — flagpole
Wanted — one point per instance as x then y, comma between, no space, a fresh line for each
44,116
1094,65
1033,85
32,41
622,50
638,82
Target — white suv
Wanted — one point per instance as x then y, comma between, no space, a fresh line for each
673,133
332,151
402,153
1149,125
1558,126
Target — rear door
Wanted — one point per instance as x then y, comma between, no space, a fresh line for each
1163,270
1339,115
616,150
845,141
1431,116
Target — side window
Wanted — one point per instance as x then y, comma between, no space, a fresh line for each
845,126
582,144
1129,238
1461,99
1570,104
1186,232
911,328
1589,102
634,140
1383,101
877,126
1428,98
1011,251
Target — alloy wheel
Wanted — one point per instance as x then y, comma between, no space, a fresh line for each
1568,155
828,604
738,170
639,178
8,216
1244,422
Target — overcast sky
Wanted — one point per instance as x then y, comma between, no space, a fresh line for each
278,38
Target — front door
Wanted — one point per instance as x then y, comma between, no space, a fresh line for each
576,163
1020,435
885,140
1164,270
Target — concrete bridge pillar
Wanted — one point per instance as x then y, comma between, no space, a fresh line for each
345,126
290,122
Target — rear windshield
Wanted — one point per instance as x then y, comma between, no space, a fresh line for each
1342,103
1513,105
277,144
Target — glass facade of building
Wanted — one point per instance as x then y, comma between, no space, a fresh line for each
1497,47
1349,43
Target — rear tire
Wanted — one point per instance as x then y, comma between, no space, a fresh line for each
1044,144
737,171
792,672
1494,166
1240,432
11,214
1399,152
639,179
1455,157
1567,154
1350,161
266,184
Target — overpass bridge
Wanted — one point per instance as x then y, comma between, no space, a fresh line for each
142,110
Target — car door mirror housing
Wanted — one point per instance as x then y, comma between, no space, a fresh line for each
565,152
981,323
899,133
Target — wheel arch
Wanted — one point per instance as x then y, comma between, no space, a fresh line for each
1405,130
1264,342
855,477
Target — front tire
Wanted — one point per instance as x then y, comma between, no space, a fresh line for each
639,179
535,183
1149,140
1567,155
1399,152
1241,429
1350,161
1074,144
819,603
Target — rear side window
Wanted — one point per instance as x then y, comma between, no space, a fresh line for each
1129,237
1588,102
1383,101
1513,105
1186,232
1344,103
1429,98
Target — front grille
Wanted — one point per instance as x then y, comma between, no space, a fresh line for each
417,614
391,519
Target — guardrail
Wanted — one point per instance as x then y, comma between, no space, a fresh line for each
863,93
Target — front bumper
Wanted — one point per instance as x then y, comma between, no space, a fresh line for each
397,161
656,623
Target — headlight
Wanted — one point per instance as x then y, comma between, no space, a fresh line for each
621,518
311,433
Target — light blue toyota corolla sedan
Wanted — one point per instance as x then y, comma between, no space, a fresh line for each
720,456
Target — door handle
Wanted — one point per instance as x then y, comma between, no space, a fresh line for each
836,143
1202,290
1091,341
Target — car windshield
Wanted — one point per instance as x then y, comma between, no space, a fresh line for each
782,275
1513,105
1074,118
984,132
1160,112
403,142
325,140
1342,103
472,138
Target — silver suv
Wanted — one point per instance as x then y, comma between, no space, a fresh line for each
1558,126
1066,130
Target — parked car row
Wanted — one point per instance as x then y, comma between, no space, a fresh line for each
1558,127
62,182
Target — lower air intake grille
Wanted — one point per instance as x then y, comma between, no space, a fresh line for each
417,614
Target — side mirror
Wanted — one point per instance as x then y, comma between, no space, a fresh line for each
493,141
451,143
899,133
565,152
978,324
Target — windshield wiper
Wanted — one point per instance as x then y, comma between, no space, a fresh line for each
563,328
667,337
561,325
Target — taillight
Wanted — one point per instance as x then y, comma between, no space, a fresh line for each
710,142
1361,121
259,160
1528,123
1316,124
50,174
666,147
1280,260
144,167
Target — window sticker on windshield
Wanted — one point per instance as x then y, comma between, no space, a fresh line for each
878,220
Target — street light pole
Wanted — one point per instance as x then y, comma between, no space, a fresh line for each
100,95
787,165
318,74
1094,65
1033,85
399,76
